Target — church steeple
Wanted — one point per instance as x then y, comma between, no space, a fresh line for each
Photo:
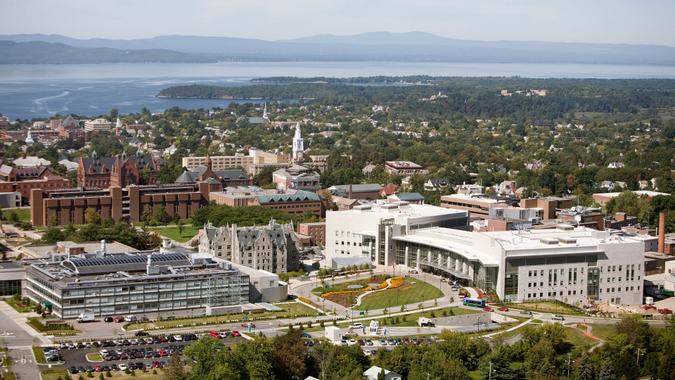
264,115
298,144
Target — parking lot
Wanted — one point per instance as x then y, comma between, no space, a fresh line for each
133,353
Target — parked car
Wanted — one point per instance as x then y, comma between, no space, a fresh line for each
648,307
488,309
142,333
236,333
108,319
665,310
558,317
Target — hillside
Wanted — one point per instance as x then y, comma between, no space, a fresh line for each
46,52
375,46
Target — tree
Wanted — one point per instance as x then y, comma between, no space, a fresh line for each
607,370
540,360
175,370
288,355
585,369
91,216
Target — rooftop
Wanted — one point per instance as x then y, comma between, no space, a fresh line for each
403,165
487,247
298,196
382,209
639,193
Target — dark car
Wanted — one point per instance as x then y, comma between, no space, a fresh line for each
73,370
142,333
108,319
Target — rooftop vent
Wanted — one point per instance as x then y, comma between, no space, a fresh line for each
565,227
567,240
549,241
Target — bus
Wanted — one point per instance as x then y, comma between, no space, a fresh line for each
475,302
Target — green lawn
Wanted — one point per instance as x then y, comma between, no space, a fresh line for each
577,338
328,287
19,306
94,357
416,291
173,233
410,320
39,355
54,374
290,310
553,307
603,331
22,213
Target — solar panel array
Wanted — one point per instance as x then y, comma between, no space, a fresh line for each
114,263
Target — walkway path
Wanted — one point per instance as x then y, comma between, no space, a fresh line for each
360,297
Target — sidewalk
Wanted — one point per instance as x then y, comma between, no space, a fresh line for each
20,319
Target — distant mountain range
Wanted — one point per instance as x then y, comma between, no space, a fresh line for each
375,46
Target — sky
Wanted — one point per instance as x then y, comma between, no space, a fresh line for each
610,21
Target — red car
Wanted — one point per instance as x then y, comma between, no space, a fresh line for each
213,334
488,308
235,333
665,311
503,308
648,307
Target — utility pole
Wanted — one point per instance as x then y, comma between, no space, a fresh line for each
637,359
490,372
568,364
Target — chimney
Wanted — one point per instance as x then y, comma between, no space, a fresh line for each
662,232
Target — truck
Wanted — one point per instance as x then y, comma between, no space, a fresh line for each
425,322
86,317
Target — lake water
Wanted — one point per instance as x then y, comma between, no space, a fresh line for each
28,91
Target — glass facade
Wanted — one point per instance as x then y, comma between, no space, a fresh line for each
593,283
10,287
143,294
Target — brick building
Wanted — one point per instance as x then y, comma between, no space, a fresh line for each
69,206
23,180
549,205
296,203
228,177
121,171
316,232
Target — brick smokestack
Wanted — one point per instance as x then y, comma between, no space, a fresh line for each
662,232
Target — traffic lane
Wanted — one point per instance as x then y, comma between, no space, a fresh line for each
77,356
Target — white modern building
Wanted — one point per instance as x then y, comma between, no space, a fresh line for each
97,125
367,231
572,265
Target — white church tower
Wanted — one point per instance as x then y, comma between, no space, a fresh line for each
264,115
298,145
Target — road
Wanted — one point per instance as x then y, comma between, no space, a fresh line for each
19,338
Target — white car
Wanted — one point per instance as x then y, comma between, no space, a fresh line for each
104,352
178,338
356,326
123,367
351,342
558,317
